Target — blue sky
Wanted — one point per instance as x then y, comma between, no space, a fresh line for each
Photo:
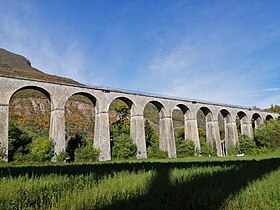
220,51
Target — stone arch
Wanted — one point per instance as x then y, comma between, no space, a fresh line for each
160,107
185,109
243,123
91,97
129,102
256,120
242,116
33,87
131,106
205,129
230,131
189,127
207,113
226,115
156,124
187,115
30,106
268,117
80,110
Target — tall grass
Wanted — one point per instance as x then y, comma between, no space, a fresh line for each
231,184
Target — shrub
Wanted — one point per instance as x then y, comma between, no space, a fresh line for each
41,149
19,140
155,152
206,149
185,148
232,150
86,153
3,154
122,147
246,144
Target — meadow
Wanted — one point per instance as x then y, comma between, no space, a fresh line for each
250,182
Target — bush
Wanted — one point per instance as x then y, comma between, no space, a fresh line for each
41,149
19,141
3,154
86,153
232,150
155,152
247,145
185,148
206,149
122,147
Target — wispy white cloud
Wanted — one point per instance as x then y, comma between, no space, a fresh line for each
271,89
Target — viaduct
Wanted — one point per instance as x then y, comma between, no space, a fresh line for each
58,94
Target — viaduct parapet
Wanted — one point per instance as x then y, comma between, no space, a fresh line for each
58,94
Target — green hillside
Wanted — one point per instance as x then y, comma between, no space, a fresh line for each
15,65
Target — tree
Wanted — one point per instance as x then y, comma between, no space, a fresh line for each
246,144
268,134
123,148
150,134
121,143
41,149
86,153
185,148
19,140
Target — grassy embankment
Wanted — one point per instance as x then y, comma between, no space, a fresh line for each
192,183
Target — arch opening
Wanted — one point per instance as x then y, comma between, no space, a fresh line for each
79,124
121,143
256,120
241,123
153,112
269,117
29,123
205,132
182,124
228,132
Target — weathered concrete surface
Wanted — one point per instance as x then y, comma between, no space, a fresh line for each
191,132
58,94
57,130
137,133
102,135
4,111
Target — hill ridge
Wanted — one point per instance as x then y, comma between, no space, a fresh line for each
12,64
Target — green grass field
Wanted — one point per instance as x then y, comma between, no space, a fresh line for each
191,183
